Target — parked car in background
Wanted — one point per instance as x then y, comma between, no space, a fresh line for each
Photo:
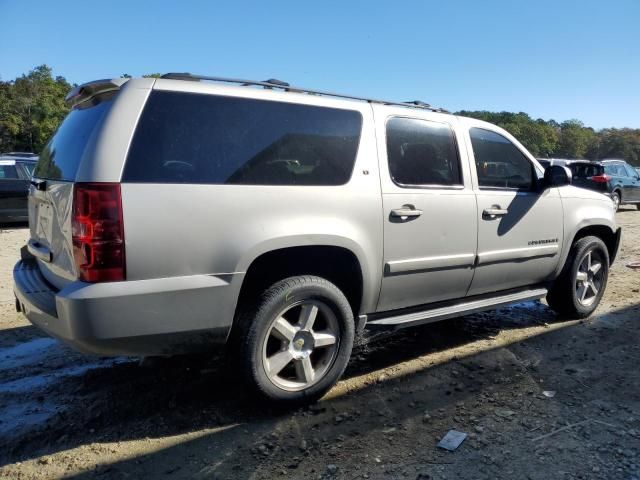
622,181
181,213
614,178
16,169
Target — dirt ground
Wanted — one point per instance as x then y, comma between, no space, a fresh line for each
539,399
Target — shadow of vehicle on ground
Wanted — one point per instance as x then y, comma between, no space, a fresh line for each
233,434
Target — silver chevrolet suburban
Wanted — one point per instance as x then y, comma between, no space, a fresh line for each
184,213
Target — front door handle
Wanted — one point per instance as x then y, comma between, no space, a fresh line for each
407,211
494,212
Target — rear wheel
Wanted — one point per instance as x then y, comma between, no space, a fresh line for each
296,342
579,289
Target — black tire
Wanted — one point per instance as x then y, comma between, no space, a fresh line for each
638,206
255,331
563,295
616,199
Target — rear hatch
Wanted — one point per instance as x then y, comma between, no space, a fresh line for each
52,188
588,175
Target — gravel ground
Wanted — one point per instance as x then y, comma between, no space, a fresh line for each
539,399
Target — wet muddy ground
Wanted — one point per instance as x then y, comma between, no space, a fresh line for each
539,399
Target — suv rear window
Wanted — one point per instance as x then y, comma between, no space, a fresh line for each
211,139
61,157
585,170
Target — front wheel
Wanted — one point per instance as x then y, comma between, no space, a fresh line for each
578,290
297,340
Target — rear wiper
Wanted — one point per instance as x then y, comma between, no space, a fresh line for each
40,185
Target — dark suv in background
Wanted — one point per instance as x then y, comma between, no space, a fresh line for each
16,169
615,178
623,182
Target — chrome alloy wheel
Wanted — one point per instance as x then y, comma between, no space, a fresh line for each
301,344
589,278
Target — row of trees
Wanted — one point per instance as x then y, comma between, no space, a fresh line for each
32,106
569,139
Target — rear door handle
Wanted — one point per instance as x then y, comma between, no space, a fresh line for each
494,211
406,211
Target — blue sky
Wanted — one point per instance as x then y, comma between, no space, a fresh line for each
552,59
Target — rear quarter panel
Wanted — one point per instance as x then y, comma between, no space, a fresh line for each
181,230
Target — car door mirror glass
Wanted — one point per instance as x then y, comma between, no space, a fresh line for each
557,176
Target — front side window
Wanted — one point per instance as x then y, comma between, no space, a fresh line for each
421,152
211,139
499,163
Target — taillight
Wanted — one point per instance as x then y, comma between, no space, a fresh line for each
600,178
98,232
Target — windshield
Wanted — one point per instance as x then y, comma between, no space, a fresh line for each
61,157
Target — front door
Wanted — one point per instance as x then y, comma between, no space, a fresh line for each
520,229
429,210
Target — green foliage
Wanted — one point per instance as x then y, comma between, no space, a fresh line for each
569,139
31,108
575,139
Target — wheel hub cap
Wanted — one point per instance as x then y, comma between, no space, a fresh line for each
301,345
589,278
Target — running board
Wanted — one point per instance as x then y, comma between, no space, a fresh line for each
457,310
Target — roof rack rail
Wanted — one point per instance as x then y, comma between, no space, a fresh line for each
274,83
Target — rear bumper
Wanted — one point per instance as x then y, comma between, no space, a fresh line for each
163,316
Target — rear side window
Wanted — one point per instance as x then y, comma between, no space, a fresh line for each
61,157
615,170
8,172
499,163
631,172
421,152
195,138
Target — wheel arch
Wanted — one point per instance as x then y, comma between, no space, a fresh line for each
341,265
609,234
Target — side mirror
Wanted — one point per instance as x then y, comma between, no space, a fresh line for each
557,176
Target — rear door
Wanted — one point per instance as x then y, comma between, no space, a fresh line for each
429,209
520,229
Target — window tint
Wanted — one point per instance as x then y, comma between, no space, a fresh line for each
421,152
499,163
584,170
193,138
62,155
8,172
631,172
615,170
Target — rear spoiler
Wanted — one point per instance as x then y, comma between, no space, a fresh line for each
86,91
